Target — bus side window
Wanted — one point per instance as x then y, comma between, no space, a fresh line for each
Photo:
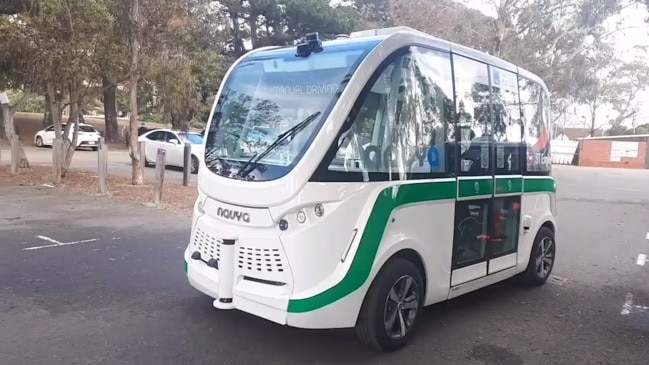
473,113
507,122
400,128
536,137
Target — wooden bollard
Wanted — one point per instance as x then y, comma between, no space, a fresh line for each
159,176
102,166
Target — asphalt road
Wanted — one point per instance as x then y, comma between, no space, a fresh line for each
119,162
119,295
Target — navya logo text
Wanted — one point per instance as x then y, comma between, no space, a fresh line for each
233,215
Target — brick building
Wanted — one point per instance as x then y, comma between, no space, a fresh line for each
615,151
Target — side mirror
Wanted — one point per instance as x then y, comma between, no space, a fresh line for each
174,141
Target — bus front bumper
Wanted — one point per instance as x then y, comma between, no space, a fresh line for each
251,273
246,295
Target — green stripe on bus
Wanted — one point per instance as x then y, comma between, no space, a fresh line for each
539,185
388,200
509,185
475,187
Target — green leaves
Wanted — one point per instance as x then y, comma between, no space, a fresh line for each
283,22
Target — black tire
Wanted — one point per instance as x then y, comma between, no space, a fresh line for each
95,148
147,163
194,165
373,319
533,275
39,142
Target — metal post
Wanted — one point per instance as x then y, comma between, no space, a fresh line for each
159,175
57,161
15,158
187,163
102,166
142,158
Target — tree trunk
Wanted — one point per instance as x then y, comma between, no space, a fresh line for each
134,146
253,30
70,146
8,119
58,133
47,116
110,109
54,106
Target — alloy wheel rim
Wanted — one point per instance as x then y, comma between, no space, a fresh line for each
401,307
545,257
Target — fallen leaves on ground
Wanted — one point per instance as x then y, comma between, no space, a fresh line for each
175,197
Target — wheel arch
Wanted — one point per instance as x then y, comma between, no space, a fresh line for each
406,253
550,225
414,257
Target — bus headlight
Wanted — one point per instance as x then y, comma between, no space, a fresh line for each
301,217
319,210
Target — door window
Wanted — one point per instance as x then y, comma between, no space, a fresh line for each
158,136
508,128
170,136
475,129
505,219
470,233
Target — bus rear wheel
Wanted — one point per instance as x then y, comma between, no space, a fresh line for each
542,258
392,306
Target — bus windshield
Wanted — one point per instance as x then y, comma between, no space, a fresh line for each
265,97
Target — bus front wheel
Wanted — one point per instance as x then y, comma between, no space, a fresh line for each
542,258
392,306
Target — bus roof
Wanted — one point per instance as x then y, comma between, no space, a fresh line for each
384,33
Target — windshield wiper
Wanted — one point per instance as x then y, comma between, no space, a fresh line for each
254,160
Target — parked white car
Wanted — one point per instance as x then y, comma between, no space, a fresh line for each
88,136
173,143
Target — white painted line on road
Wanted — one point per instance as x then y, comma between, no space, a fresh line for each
641,259
57,243
642,308
647,236
628,305
44,238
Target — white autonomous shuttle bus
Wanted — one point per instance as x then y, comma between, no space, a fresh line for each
349,183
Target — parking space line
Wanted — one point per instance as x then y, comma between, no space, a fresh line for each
641,259
45,238
57,243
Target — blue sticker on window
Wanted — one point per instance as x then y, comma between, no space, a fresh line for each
433,156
